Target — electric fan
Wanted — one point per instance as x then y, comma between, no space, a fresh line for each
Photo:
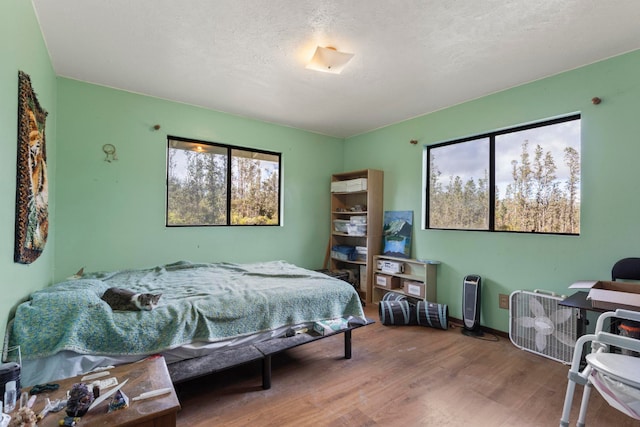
539,325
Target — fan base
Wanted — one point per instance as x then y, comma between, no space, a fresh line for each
472,332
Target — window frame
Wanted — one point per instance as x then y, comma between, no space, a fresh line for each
491,136
229,181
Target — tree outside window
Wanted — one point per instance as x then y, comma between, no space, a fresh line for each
524,179
215,184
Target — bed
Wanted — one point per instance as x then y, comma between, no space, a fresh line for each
66,329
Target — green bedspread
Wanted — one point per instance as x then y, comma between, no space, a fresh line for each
200,302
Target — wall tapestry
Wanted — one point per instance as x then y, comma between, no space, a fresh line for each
32,196
396,231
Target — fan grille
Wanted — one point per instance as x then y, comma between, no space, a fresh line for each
539,325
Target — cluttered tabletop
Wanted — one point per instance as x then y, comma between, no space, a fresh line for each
126,395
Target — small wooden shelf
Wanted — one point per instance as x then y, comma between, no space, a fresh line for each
421,272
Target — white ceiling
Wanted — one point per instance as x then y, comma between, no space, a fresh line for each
248,57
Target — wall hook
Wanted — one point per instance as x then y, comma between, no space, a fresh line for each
110,151
595,100
414,141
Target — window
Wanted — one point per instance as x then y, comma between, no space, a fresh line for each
215,184
523,179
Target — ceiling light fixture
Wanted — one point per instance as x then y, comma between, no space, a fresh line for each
329,60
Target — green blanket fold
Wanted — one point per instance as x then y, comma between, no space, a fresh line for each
200,302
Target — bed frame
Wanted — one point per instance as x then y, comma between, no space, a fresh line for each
189,369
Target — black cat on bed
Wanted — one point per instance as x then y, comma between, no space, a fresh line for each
125,300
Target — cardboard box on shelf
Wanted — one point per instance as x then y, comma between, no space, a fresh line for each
339,186
611,295
348,186
391,267
358,184
388,282
413,288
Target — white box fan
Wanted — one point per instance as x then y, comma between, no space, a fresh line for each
539,325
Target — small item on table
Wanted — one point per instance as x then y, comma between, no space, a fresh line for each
55,406
26,401
24,417
118,401
104,396
152,393
80,398
96,375
99,385
69,421
99,369
41,388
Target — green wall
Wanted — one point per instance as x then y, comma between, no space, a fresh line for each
22,48
112,215
508,262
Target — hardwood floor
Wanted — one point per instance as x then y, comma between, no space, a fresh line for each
398,376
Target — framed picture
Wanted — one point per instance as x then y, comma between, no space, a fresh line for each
397,229
32,191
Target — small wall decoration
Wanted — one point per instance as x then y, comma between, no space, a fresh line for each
32,192
397,229
110,152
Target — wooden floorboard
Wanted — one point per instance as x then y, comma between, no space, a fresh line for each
398,376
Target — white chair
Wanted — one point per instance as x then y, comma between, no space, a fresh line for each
615,376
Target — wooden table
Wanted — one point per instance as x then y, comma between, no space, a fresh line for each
146,375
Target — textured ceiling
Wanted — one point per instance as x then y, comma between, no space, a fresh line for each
248,57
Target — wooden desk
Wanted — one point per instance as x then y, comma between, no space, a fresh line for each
149,374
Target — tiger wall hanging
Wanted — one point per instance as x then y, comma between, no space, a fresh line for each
32,189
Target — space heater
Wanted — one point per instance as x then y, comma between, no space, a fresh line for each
537,323
471,305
